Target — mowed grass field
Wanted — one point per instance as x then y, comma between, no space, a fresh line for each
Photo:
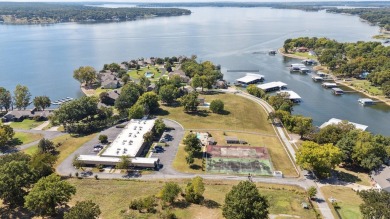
346,198
25,138
26,124
68,145
114,197
241,114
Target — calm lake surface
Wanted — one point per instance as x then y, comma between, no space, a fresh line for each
44,57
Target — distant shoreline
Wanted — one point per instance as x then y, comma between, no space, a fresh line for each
383,99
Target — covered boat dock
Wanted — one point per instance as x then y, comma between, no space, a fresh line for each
272,86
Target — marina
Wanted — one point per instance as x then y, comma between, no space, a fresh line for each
291,95
61,101
329,85
366,101
272,86
334,121
250,78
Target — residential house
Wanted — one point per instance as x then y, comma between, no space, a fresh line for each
109,80
221,84
20,115
184,78
302,49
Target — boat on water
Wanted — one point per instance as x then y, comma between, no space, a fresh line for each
61,101
272,52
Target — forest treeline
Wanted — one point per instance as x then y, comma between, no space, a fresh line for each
57,12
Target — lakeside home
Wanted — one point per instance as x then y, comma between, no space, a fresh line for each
272,86
250,78
334,121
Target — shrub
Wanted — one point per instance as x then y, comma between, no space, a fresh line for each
103,139
217,106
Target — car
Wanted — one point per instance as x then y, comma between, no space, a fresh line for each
97,149
159,147
162,140
98,146
158,150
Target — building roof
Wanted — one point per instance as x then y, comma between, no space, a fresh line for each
130,140
27,113
298,65
291,94
334,121
329,84
249,77
337,89
270,85
135,160
382,178
231,138
114,94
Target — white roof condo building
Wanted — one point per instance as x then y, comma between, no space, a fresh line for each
275,85
130,140
250,78
334,121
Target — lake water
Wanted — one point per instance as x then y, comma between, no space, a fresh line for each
44,57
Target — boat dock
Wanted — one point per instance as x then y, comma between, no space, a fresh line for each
291,95
61,101
272,86
337,91
329,85
367,101
334,121
317,78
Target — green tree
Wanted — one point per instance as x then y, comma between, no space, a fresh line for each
255,91
386,88
144,82
47,146
125,78
85,74
114,67
196,81
376,204
194,190
42,164
311,192
103,139
192,143
41,102
149,203
280,102
5,99
128,97
137,111
190,158
124,163
148,137
170,192
47,194
303,125
367,153
217,106
244,201
6,134
15,178
159,126
21,97
318,158
168,93
150,100
190,102
83,210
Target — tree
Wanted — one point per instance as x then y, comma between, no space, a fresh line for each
47,194
103,139
190,102
367,153
105,98
217,106
15,178
280,102
312,191
170,191
46,146
21,97
137,111
144,81
194,190
83,210
190,158
376,204
114,67
318,158
168,94
196,81
42,164
128,97
125,78
124,162
5,99
192,143
303,125
386,89
255,91
159,126
76,162
41,102
85,74
148,137
150,100
6,134
244,201
148,203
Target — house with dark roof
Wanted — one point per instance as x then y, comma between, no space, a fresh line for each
183,77
221,84
302,49
20,115
109,80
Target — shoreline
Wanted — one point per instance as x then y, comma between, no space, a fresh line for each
382,99
87,92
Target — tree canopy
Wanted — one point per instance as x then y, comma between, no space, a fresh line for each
376,204
22,97
244,201
5,99
190,102
41,102
85,74
217,106
194,190
192,143
83,210
170,191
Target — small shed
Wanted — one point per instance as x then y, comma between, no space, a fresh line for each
232,140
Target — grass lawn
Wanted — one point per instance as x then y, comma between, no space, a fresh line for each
114,196
136,75
241,114
100,90
25,138
26,124
366,86
353,176
304,54
346,198
68,145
